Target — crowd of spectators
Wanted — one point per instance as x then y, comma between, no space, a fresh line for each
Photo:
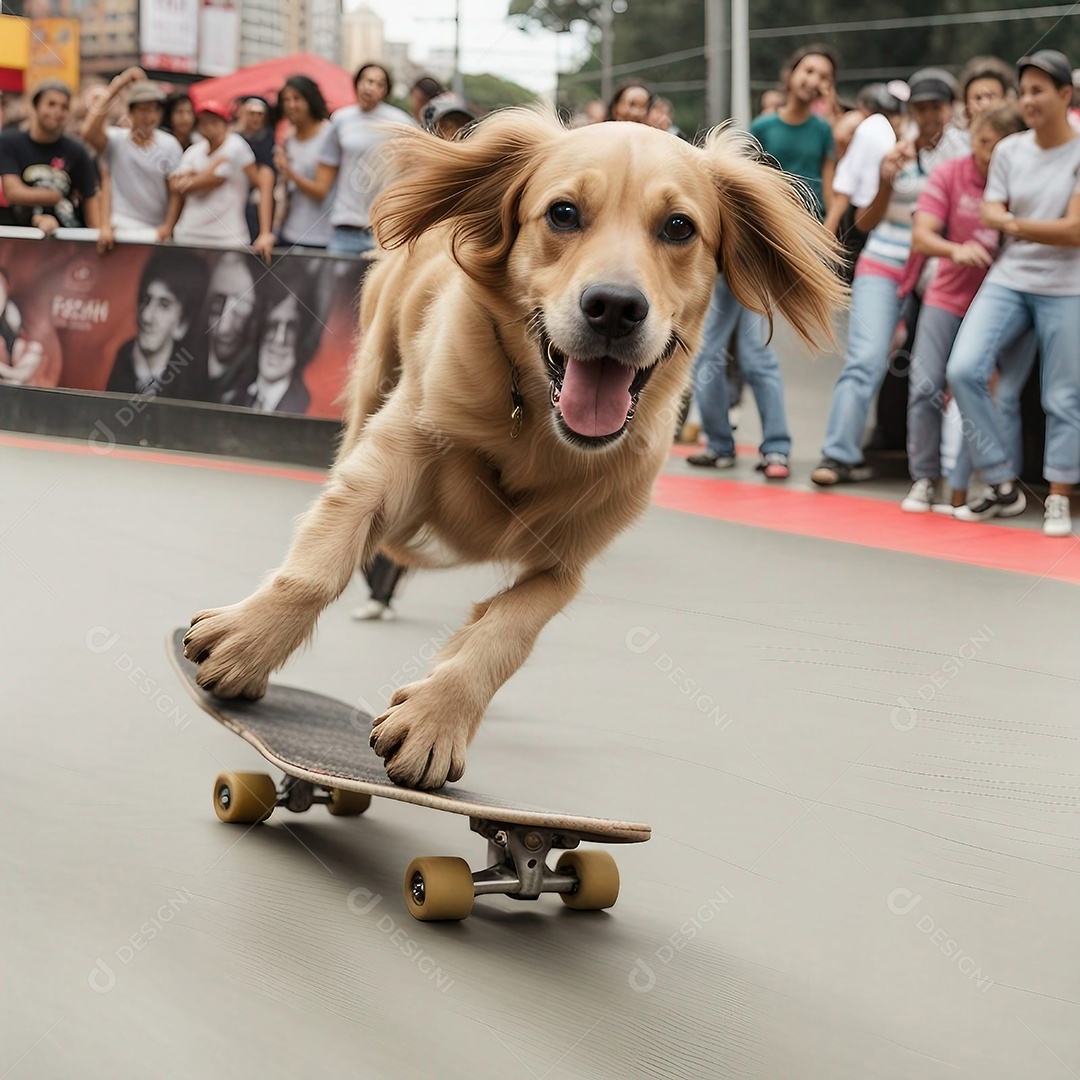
141,164
956,203
956,206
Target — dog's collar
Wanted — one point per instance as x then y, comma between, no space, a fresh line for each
517,414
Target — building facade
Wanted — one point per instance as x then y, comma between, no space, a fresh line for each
324,30
109,35
361,38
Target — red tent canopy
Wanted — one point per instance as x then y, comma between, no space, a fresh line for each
266,80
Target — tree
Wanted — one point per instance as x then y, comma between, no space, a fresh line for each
651,28
487,92
557,15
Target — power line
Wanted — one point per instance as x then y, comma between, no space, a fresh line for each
817,29
637,65
1008,15
676,87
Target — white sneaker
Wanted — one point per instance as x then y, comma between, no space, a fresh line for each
1057,520
946,509
373,610
998,503
920,498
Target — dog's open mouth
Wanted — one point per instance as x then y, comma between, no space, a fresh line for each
595,398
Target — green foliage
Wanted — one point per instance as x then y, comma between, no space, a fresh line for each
487,92
650,28
554,15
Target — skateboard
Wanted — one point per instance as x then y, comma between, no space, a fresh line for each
322,747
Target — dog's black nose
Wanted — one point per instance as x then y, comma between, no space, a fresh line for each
614,310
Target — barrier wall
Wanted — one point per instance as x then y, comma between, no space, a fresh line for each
197,325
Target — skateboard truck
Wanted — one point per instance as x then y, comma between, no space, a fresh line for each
518,856
443,889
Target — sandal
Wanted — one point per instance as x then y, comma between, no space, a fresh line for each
830,472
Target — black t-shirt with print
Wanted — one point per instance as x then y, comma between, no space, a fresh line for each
63,165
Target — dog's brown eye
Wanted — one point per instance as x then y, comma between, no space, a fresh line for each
678,228
563,215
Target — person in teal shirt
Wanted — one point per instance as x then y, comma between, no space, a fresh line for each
801,141
803,145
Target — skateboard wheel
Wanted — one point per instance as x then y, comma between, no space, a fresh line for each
347,803
243,798
598,880
439,889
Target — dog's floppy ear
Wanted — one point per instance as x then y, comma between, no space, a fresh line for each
773,251
473,183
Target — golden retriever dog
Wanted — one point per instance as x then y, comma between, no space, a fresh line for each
524,346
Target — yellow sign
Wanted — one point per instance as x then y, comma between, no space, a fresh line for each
54,52
14,42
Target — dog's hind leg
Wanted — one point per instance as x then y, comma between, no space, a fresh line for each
424,733
238,647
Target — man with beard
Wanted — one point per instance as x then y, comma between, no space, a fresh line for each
155,362
230,334
49,180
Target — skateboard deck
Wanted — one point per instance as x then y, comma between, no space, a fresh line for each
321,744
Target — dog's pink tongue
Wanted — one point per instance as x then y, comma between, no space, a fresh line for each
595,396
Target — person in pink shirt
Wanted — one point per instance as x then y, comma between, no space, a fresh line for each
948,228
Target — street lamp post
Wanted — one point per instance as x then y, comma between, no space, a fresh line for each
459,79
606,19
740,63
717,87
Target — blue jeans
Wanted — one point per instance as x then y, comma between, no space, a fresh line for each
934,339
351,241
875,311
998,316
759,366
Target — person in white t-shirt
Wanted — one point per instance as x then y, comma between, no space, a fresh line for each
213,183
1032,198
135,162
876,303
350,158
858,171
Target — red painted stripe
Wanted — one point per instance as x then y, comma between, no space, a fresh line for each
873,523
158,457
686,449
848,519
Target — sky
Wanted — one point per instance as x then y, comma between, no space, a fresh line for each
489,42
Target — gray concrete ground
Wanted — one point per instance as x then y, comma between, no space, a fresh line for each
861,768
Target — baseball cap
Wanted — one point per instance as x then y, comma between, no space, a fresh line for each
214,107
49,84
932,84
887,98
255,103
144,91
1050,62
447,104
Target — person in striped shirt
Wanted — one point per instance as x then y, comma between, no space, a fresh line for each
875,300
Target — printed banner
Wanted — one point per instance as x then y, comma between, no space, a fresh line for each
219,38
169,34
54,52
178,322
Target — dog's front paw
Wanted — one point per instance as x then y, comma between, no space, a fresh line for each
423,735
232,661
